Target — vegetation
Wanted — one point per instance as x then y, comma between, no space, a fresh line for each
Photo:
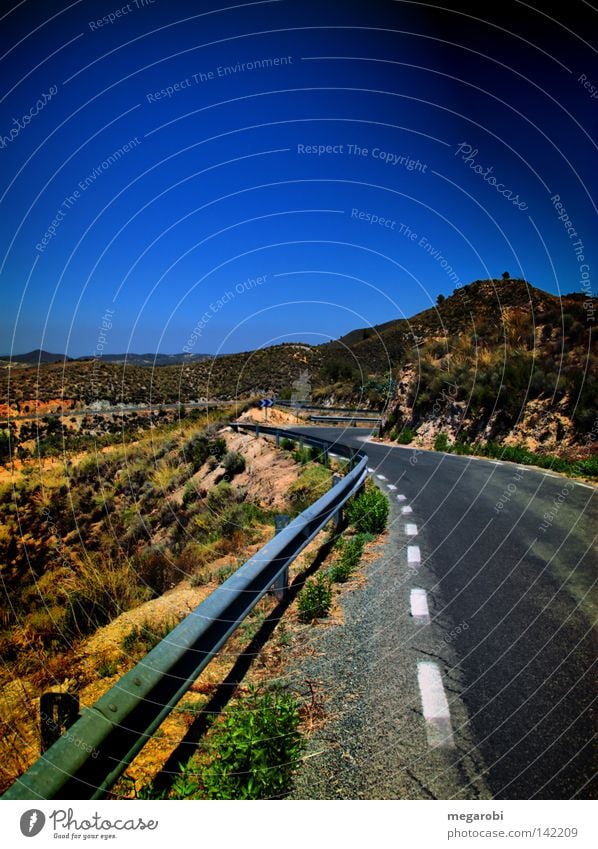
250,752
441,443
351,550
315,599
405,436
85,539
234,464
522,455
368,512
311,484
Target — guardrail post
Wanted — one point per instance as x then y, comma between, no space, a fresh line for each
278,439
257,430
280,586
57,712
326,457
338,516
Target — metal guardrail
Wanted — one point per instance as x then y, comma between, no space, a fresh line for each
287,404
345,419
91,755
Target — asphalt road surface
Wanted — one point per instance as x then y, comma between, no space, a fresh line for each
467,666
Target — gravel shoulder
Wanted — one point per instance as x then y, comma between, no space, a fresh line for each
373,743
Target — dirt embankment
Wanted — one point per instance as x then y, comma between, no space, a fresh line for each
97,662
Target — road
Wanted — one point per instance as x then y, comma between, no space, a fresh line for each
468,663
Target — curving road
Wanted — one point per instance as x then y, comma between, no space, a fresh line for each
471,654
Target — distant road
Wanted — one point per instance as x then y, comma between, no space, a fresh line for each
510,597
91,411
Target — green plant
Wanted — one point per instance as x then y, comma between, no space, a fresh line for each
222,574
287,444
250,753
107,668
234,463
315,599
303,455
143,638
368,512
405,436
351,551
441,443
311,484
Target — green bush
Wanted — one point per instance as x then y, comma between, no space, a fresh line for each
287,444
302,455
251,753
351,551
311,484
441,443
234,463
405,436
315,599
368,512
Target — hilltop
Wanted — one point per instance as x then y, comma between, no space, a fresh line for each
500,345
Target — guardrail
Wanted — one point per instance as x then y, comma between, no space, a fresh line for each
345,419
91,755
300,406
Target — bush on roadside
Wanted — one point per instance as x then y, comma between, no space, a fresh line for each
406,436
441,443
368,512
250,753
315,599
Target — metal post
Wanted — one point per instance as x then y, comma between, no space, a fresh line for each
278,439
280,586
338,516
57,712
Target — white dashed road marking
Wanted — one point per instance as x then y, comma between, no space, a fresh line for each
435,706
370,470
418,601
401,498
411,530
381,477
413,554
391,486
406,510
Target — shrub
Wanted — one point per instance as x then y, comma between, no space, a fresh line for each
311,484
351,551
405,436
303,455
287,444
315,599
251,753
368,512
234,463
441,442
141,639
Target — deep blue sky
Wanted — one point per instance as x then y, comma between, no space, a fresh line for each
213,190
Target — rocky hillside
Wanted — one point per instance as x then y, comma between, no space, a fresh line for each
497,359
501,361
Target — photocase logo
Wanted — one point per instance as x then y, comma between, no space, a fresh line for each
32,822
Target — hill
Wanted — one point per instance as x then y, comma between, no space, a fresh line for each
33,358
506,349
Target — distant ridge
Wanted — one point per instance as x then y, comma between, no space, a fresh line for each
33,358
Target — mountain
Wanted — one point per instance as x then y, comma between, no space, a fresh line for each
33,358
153,360
496,358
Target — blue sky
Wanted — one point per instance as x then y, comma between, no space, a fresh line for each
355,159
